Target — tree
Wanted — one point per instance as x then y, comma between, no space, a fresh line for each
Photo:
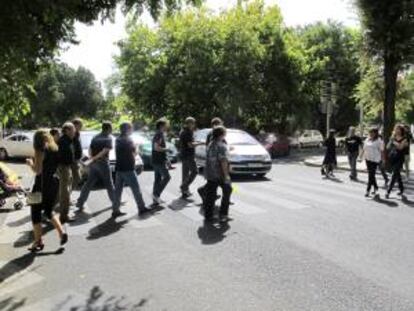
61,93
31,32
389,37
331,54
240,64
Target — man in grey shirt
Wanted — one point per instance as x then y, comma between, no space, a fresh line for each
217,173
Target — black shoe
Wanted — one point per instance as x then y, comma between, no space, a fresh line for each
64,239
367,194
387,195
118,214
401,193
36,247
144,211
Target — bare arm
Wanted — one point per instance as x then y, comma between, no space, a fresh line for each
37,164
225,168
101,154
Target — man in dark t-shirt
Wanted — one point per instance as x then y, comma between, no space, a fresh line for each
78,152
353,143
189,166
159,160
99,168
126,152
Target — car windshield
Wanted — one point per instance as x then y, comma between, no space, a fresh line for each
86,139
240,138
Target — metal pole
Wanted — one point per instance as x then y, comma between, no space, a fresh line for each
328,117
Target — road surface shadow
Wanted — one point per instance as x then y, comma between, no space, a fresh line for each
406,201
389,203
20,221
11,304
249,179
333,179
82,217
98,301
180,203
110,226
212,233
27,236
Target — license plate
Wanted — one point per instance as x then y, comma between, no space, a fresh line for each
255,165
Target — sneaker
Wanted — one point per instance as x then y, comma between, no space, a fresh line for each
157,200
118,213
367,194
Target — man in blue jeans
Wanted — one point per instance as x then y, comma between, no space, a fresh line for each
125,170
160,161
99,168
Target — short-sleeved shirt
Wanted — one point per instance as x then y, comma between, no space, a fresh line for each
353,143
373,150
125,154
159,157
100,142
186,138
216,153
77,146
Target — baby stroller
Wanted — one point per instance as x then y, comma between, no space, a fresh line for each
10,187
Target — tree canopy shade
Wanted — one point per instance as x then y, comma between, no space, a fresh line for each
32,30
389,35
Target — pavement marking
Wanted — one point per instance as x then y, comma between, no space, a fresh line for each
17,226
16,280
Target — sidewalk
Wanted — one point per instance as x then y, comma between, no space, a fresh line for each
316,161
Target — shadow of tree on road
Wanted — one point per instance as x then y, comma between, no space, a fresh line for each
97,302
11,304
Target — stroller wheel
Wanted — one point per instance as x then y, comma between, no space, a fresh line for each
18,205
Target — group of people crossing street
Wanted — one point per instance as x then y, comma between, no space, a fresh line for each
391,157
57,169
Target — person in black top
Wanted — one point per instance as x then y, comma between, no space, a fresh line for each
189,166
353,143
407,158
397,149
44,166
329,162
126,152
99,168
159,160
78,153
66,160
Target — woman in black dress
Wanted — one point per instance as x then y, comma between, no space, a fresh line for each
397,149
329,162
44,166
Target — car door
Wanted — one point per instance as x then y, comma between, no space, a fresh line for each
26,146
10,144
201,150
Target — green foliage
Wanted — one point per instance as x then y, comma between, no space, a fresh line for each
389,38
31,32
241,65
61,93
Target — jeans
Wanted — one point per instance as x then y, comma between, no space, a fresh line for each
396,177
161,179
99,170
372,170
211,194
383,171
352,159
189,173
65,189
130,179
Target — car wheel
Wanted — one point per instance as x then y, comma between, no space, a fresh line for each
3,154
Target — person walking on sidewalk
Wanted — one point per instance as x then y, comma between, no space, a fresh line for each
125,170
78,153
99,168
189,166
66,160
373,153
159,160
396,150
407,158
44,165
329,162
217,174
353,143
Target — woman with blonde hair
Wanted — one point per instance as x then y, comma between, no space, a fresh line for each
397,149
44,166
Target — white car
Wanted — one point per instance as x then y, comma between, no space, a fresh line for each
247,155
307,138
18,145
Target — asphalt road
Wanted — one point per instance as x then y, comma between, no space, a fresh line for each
296,242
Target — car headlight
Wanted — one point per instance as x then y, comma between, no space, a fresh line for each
267,158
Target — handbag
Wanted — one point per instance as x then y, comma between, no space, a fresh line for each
35,197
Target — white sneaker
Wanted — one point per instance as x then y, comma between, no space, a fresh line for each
157,200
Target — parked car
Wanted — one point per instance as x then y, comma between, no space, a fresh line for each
144,143
307,138
86,138
247,155
18,145
276,145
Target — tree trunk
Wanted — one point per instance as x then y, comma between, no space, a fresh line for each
390,84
